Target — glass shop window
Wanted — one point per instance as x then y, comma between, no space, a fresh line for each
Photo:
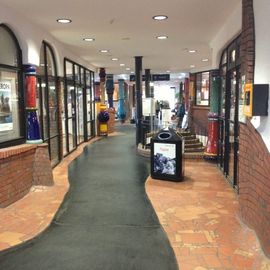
202,89
11,116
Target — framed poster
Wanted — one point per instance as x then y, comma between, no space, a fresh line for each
6,121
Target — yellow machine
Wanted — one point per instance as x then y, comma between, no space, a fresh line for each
248,100
256,99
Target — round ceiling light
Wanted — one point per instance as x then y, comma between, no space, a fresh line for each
192,66
104,51
64,20
89,39
192,51
161,37
114,59
160,17
127,68
205,60
122,65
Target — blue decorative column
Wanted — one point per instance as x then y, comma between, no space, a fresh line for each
121,106
110,89
33,131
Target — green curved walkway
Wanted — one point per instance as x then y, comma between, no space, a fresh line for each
106,220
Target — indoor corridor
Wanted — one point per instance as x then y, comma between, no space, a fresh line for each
107,221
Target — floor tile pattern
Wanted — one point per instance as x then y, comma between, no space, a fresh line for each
200,216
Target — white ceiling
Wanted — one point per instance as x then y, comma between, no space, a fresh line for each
127,29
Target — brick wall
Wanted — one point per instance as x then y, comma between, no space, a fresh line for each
254,183
17,167
254,158
42,172
247,50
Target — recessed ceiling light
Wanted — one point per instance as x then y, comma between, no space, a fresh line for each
127,68
192,51
168,71
64,20
114,59
160,17
132,72
205,60
104,51
192,66
161,37
122,65
89,39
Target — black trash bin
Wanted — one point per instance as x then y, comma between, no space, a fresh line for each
167,156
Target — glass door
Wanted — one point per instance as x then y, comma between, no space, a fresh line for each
47,102
222,109
79,114
71,118
231,127
93,105
88,104
54,140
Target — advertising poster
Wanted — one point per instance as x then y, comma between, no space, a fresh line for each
6,122
165,158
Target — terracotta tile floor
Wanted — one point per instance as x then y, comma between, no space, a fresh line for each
200,217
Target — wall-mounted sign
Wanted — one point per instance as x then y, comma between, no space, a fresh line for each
154,77
6,122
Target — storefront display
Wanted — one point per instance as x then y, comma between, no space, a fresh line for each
79,104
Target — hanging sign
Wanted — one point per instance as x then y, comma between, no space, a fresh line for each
154,77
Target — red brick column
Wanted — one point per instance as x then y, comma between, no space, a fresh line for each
248,41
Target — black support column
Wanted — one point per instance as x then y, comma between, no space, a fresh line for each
138,85
147,83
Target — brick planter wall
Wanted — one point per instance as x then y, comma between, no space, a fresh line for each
16,169
21,167
254,183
